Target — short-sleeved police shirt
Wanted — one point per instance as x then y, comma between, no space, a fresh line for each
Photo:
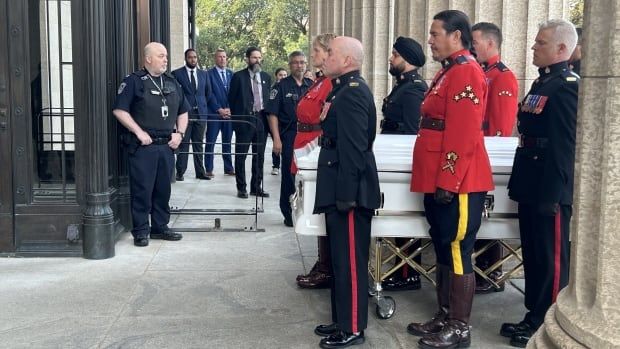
283,100
140,96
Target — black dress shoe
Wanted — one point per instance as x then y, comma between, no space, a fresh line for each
180,178
398,283
142,241
484,287
201,176
167,235
520,339
242,194
288,222
342,339
326,330
509,329
260,193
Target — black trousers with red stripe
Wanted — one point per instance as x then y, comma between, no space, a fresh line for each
453,229
349,239
545,248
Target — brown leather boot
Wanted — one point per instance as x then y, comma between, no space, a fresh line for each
434,325
456,332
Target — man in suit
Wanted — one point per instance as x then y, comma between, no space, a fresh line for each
219,114
197,90
249,91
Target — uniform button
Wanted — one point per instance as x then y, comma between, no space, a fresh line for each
329,163
535,157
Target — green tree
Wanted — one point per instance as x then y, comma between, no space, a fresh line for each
575,14
276,26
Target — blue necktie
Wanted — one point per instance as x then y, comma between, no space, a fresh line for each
224,80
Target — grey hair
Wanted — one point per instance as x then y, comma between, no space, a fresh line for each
564,32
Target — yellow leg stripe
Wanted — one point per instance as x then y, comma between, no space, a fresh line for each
457,260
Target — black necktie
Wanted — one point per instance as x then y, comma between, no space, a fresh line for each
193,80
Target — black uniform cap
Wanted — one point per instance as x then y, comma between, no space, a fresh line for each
410,50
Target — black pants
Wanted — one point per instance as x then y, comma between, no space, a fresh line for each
150,171
349,238
545,248
287,183
195,133
244,135
453,229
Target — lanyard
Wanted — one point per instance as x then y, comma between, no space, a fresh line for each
161,80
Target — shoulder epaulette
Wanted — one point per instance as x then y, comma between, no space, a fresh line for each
169,75
461,59
570,76
501,66
139,73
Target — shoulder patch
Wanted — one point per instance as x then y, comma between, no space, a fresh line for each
354,84
273,93
121,88
461,60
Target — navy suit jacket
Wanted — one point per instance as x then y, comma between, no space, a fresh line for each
220,93
203,97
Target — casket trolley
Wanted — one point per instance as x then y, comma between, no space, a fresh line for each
402,213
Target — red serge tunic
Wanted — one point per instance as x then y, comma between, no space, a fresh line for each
501,111
453,158
309,111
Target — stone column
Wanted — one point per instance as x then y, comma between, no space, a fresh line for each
89,57
587,311
371,21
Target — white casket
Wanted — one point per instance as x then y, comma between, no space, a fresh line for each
401,213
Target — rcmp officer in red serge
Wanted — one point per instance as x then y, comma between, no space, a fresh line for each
451,167
401,115
542,175
308,132
499,120
347,190
151,105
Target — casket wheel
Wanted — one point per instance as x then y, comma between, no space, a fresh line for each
385,307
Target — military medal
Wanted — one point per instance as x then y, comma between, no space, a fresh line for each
325,110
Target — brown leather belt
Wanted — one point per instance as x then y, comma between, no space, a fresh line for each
301,127
532,142
433,124
440,124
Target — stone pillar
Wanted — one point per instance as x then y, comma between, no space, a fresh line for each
587,311
371,21
89,57
179,34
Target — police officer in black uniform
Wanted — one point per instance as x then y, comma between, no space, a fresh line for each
401,115
281,108
151,105
542,175
347,190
